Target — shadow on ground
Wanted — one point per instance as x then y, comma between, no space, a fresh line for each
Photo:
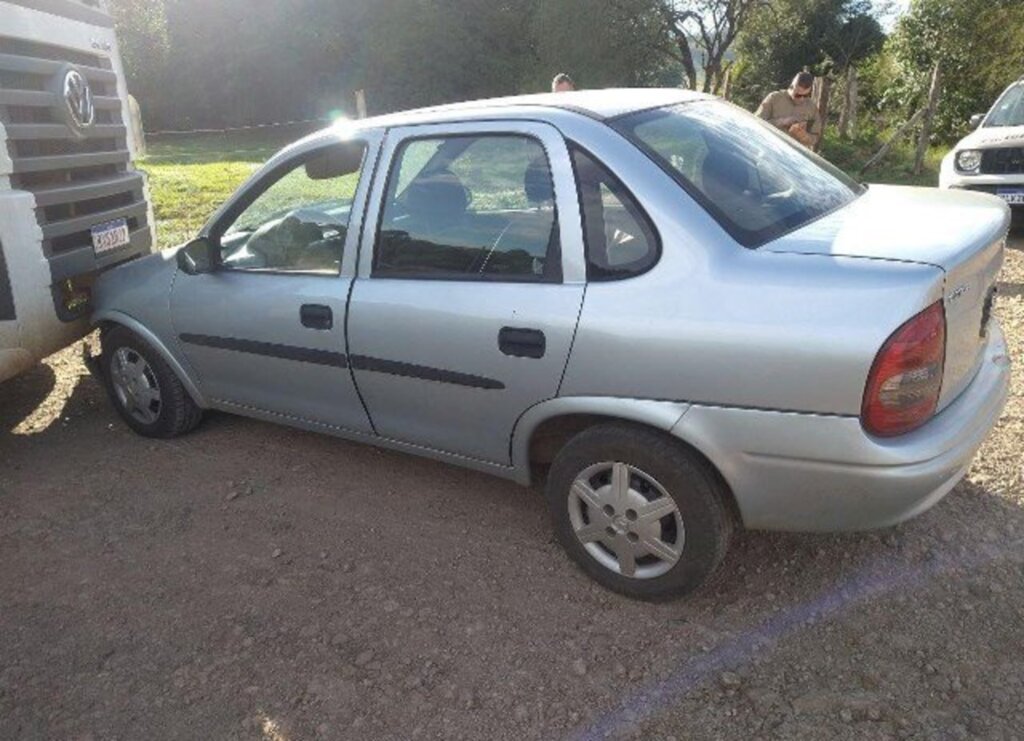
22,396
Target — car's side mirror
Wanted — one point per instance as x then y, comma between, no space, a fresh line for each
976,120
197,257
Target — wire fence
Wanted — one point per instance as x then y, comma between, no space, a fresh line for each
252,141
236,129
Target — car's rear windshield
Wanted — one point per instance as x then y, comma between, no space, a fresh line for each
755,181
1009,109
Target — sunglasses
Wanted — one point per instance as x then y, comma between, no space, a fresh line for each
800,96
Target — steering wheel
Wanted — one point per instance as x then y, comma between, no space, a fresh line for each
273,241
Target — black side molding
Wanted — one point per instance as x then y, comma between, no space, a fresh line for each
340,360
269,349
424,372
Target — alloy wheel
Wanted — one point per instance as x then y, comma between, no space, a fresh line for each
135,385
626,520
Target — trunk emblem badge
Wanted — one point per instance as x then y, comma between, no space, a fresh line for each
958,293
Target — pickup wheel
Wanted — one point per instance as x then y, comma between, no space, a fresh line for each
640,513
146,392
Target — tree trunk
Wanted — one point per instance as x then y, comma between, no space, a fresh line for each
848,117
727,84
711,75
929,115
686,59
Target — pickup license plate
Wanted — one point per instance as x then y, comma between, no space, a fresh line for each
110,235
1013,196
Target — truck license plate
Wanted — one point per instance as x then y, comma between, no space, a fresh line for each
110,235
1013,196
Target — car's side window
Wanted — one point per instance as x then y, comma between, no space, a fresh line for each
299,220
620,239
478,207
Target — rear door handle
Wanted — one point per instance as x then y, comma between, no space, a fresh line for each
522,343
316,316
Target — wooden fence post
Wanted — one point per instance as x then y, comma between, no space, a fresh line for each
895,137
822,93
136,134
360,103
848,116
934,93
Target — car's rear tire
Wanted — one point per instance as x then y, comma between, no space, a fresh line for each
639,512
145,391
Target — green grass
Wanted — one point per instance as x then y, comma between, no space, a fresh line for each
895,169
190,177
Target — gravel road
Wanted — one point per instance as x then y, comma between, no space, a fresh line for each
255,582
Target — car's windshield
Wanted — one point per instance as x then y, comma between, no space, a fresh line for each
1009,109
755,181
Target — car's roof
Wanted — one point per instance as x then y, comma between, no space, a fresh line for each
598,104
601,105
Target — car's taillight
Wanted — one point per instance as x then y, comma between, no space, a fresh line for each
904,384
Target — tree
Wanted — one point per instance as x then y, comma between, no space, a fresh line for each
597,42
705,27
979,45
195,63
826,37
423,52
141,27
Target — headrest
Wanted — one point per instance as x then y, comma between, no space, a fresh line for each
724,175
440,196
537,182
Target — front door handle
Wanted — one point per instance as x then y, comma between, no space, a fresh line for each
316,316
522,343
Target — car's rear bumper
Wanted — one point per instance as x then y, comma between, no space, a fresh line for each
804,472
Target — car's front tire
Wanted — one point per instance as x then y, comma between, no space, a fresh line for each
639,512
145,391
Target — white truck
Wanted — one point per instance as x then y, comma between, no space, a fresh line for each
71,202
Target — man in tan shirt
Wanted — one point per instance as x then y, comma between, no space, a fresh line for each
794,112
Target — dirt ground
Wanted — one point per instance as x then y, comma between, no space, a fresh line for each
256,582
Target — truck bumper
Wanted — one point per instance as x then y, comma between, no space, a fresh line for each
818,473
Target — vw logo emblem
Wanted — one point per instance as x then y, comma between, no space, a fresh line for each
75,100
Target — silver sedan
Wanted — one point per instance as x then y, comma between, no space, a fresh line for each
679,319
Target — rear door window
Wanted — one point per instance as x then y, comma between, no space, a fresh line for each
469,208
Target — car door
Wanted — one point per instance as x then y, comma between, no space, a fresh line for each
265,331
469,288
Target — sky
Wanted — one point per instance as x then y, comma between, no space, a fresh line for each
891,9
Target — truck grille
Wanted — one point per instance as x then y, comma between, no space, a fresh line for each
1006,161
87,11
78,180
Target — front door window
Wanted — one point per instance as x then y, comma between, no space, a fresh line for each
298,223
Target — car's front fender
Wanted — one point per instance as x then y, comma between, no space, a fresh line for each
111,316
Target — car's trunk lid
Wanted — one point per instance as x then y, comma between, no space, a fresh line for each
963,234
